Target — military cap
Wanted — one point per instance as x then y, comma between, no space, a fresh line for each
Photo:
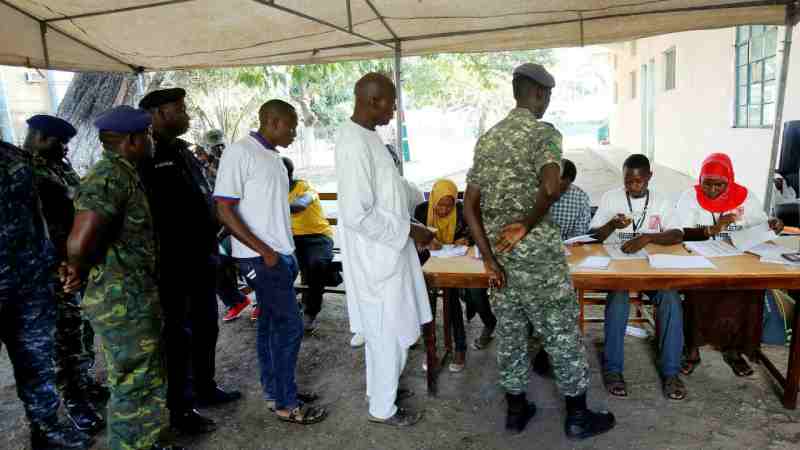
161,97
124,120
52,126
214,138
536,73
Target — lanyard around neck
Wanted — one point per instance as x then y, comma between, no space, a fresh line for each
637,225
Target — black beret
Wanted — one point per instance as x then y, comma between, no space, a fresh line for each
52,126
124,120
161,97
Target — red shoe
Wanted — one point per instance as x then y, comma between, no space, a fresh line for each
256,313
236,310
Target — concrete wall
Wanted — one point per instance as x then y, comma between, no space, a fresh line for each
696,118
23,98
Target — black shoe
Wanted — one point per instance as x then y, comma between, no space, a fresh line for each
585,423
97,394
83,416
520,412
59,436
217,397
541,364
191,422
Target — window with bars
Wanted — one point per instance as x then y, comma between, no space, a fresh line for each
669,69
756,75
633,84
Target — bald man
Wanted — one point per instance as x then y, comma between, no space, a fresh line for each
252,195
386,296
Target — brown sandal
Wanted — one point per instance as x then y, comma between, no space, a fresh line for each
615,384
304,415
673,388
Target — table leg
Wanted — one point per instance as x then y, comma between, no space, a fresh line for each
449,294
429,332
793,372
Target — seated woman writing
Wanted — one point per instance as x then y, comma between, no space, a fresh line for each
730,320
444,212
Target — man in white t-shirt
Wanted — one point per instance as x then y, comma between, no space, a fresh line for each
387,299
632,217
252,195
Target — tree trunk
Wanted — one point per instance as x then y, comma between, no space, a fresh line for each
89,95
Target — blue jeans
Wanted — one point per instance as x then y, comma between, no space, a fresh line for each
670,325
280,327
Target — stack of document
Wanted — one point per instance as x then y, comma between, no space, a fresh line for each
595,263
615,252
662,261
450,251
584,239
748,238
712,249
771,254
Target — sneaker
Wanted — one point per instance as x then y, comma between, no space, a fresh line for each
357,340
236,310
256,313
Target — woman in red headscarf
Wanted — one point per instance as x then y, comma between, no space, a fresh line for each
729,320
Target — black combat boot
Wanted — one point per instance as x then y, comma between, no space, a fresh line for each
582,423
58,436
191,422
83,416
520,412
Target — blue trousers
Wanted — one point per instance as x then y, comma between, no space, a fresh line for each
280,326
670,325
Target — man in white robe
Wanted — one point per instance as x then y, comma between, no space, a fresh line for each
386,296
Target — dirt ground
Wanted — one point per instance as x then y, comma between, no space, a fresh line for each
721,412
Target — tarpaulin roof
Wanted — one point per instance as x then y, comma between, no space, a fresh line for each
121,35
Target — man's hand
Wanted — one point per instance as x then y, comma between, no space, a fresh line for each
462,241
722,224
421,235
636,244
270,258
510,237
776,225
435,245
497,274
620,221
70,276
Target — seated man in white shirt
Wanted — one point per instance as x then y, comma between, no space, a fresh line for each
632,217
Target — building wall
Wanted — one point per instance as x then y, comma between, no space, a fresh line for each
24,99
696,118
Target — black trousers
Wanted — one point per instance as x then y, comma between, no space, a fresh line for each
189,301
314,254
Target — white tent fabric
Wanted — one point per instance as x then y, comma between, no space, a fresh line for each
121,35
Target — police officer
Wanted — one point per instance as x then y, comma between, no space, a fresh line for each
27,302
56,183
187,229
113,242
513,181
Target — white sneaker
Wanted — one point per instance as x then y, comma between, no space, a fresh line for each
357,340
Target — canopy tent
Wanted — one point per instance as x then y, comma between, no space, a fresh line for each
138,35
120,35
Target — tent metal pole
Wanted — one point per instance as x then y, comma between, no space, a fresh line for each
777,123
45,51
398,82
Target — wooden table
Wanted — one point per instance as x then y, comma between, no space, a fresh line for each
736,272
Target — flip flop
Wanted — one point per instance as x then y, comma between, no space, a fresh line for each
673,388
689,365
304,415
615,384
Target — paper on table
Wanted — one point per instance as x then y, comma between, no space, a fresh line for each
586,238
748,238
712,249
771,259
615,252
770,250
595,263
450,251
662,261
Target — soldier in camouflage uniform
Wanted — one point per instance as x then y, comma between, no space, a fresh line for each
27,302
56,183
121,298
513,181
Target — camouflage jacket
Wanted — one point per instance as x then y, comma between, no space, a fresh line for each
57,183
507,167
26,253
113,189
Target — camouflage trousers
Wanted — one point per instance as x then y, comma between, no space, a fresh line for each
543,296
74,347
27,320
129,327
